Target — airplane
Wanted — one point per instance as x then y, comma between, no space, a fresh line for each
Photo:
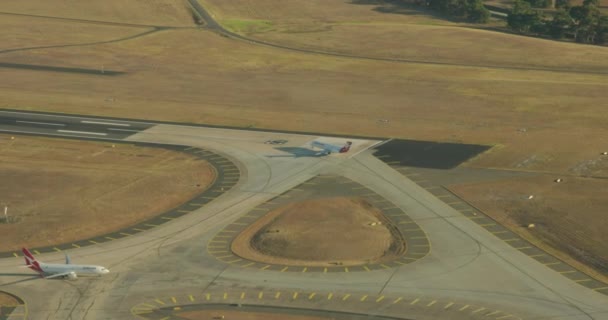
329,148
67,270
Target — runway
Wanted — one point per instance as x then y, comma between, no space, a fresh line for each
468,273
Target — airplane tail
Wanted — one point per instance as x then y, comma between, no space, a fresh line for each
31,262
346,147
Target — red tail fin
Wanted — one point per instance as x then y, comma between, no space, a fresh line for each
346,147
30,261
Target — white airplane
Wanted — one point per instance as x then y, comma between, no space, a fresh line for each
67,270
329,148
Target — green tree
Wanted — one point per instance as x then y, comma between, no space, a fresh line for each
560,24
523,18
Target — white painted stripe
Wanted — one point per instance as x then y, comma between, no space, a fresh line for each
45,123
128,130
64,116
106,123
83,132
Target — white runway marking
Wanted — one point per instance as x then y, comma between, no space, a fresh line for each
44,123
128,130
106,123
83,132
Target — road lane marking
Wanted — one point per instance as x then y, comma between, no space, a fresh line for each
106,123
44,123
83,132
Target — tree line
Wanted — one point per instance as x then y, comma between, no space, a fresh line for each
583,23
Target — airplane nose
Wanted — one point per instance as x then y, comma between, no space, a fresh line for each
106,271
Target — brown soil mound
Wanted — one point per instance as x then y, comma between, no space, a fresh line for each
321,232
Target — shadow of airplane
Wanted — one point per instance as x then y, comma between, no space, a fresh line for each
296,152
29,277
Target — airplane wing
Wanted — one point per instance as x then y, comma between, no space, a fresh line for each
57,275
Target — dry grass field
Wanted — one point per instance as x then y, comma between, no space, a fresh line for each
66,190
320,232
569,217
477,86
7,300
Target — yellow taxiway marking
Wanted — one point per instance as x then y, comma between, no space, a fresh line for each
325,270
207,296
312,295
242,295
346,297
277,295
380,299
93,241
110,238
466,306
363,298
183,211
522,248
191,297
447,306
225,295
75,245
15,254
173,299
492,313
284,269
583,280
537,255
499,232
150,225
569,271
487,224
406,222
600,288
218,236
137,229
398,299
229,231
233,261
509,240
295,295
304,270
385,266
57,249
329,296
366,268
160,302
552,263
222,257
36,251
216,247
414,301
260,295
431,303
166,218
165,318
218,241
265,267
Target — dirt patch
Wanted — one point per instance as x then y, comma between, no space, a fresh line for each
321,232
248,315
61,191
8,300
569,217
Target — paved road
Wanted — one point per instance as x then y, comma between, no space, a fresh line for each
468,274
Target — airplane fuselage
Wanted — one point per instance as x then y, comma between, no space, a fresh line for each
51,269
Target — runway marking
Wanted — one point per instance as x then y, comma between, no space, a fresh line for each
277,295
191,297
380,299
106,123
124,130
325,270
284,269
312,295
173,299
304,270
487,224
366,268
218,241
385,266
75,245
514,239
504,317
600,288
552,263
522,248
265,267
151,225
44,123
363,298
569,271
125,234
242,295
240,223
414,301
83,132
222,257
345,269
218,236
466,306
36,251
207,296
15,254
247,265
93,241
225,295
56,249
110,238
160,302
329,296
295,295
537,255
260,295
499,232
492,313
233,261
346,297
397,300
431,303
447,306
166,218
138,229
478,310
583,280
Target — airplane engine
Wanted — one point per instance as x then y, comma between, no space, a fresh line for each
72,276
